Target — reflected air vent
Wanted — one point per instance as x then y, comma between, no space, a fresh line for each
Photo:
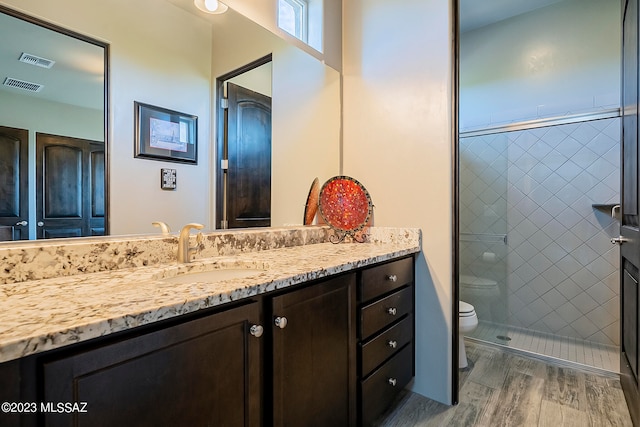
21,84
36,60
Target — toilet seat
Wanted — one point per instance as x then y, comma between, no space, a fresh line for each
476,282
466,309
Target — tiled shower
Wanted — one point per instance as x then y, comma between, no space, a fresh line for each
536,220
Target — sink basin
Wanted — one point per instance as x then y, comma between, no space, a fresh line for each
211,275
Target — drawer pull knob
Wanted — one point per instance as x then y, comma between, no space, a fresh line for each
280,322
392,311
392,344
256,331
392,278
392,382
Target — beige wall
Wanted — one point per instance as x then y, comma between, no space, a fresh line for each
398,143
257,80
44,116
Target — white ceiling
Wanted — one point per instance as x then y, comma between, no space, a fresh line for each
479,13
189,7
77,77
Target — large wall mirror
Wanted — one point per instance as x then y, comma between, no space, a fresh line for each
52,131
169,54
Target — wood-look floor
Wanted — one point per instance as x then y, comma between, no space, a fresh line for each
500,388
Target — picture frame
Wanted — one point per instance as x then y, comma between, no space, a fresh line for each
163,134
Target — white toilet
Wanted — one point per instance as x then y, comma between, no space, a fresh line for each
485,295
467,321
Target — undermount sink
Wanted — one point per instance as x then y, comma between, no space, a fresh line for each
212,273
212,276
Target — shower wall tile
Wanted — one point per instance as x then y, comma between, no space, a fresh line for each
560,263
557,273
569,289
483,206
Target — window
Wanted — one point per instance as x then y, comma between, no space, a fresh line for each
293,17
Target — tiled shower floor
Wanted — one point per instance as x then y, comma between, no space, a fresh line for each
576,351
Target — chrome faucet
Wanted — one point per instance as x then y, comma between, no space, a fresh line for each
184,251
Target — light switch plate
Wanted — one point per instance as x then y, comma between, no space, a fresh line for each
168,179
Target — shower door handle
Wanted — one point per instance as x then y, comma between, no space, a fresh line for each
619,240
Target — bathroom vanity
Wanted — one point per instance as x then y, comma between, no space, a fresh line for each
320,334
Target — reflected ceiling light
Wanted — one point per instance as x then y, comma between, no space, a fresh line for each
211,6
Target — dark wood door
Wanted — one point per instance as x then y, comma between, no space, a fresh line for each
205,372
629,232
14,201
70,187
313,355
249,155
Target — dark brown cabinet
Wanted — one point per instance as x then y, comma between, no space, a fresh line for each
313,344
386,332
205,372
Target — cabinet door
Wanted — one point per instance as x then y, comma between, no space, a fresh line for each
314,355
204,372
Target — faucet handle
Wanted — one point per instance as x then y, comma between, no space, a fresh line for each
164,227
193,225
184,250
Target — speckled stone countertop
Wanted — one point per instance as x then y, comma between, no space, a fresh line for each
45,314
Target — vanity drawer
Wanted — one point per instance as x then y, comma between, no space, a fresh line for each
380,389
384,278
385,345
385,311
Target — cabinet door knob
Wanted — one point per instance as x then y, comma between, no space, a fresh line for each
392,311
392,382
392,278
392,344
256,330
21,223
280,322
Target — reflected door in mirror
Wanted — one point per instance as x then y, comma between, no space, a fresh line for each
249,154
70,187
14,204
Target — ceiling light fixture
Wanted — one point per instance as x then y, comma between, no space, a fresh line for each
211,6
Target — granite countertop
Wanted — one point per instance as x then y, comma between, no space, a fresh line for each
45,314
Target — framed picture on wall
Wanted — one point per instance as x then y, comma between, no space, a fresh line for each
163,134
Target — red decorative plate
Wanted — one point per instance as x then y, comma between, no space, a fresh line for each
345,204
311,207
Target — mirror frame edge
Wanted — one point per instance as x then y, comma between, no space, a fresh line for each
106,94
